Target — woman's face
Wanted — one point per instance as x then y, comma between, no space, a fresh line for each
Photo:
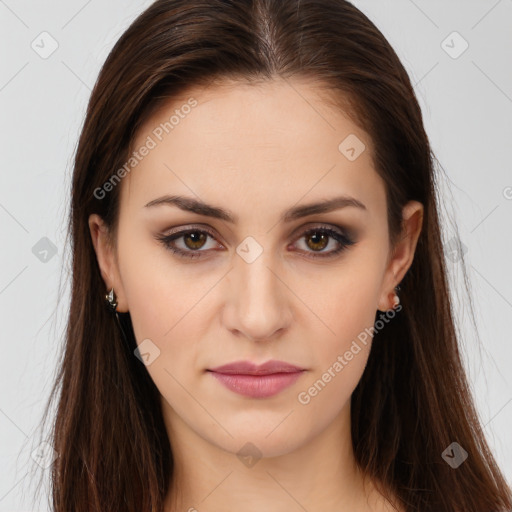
257,287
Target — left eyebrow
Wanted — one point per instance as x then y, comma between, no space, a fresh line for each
192,205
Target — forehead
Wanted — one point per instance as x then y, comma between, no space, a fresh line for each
280,141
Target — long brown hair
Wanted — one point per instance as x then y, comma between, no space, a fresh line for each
413,399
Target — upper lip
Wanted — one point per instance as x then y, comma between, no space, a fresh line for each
250,368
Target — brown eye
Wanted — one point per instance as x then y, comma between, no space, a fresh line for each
319,241
195,239
318,238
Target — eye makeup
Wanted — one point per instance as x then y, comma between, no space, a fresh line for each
321,234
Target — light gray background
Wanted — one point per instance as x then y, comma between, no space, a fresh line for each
467,106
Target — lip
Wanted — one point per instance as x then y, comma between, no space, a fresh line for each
257,381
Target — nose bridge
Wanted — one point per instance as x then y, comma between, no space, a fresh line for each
259,301
258,281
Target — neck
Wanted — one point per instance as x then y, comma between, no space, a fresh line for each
319,475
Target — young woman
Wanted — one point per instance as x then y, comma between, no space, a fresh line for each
254,199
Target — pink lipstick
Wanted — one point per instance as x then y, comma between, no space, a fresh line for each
249,379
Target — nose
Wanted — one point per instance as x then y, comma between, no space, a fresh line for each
258,306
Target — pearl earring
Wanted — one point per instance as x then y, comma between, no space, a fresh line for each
396,298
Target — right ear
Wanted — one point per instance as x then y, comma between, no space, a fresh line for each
107,261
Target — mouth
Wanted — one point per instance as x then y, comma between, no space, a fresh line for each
251,380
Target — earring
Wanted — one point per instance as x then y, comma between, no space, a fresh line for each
111,300
396,298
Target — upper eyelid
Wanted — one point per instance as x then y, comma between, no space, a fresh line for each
301,230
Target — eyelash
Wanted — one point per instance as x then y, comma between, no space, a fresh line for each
342,239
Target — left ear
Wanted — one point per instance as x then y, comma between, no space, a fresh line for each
402,253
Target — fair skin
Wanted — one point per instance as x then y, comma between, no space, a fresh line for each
256,151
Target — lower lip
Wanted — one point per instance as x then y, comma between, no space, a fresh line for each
257,386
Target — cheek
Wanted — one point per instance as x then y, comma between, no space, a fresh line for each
166,319
345,308
340,358
341,355
159,291
326,395
166,305
342,302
